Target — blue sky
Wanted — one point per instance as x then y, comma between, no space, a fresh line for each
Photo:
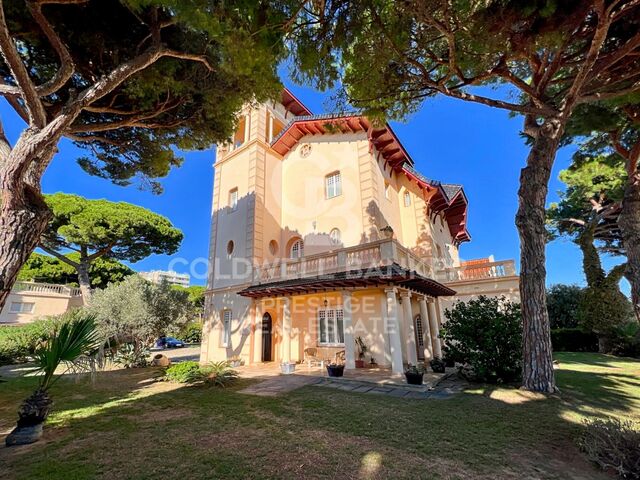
449,140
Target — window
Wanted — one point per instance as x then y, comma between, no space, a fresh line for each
407,199
333,185
387,191
334,236
226,325
330,326
273,247
297,249
274,127
233,199
230,247
239,138
22,307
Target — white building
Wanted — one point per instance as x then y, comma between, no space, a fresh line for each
171,277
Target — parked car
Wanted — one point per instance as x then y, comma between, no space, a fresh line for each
171,342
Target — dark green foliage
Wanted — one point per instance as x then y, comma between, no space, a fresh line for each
573,340
217,374
613,445
562,305
625,340
485,334
19,342
118,230
48,269
183,372
602,311
191,333
131,133
195,295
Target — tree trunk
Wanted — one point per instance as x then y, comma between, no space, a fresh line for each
629,223
591,263
83,280
23,218
537,368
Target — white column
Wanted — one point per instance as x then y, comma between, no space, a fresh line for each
426,331
435,330
270,127
257,331
409,330
393,331
286,330
347,323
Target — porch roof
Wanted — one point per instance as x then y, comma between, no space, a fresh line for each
392,274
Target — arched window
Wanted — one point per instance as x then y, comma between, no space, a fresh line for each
334,236
297,249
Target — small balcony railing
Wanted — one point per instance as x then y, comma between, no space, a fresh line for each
480,271
46,288
375,254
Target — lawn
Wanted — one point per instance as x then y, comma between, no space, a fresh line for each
127,425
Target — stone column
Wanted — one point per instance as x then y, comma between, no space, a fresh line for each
435,330
393,331
270,127
257,332
286,330
409,330
347,323
426,331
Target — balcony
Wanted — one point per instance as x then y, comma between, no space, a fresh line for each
46,289
475,272
371,255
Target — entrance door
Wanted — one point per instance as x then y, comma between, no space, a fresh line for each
417,323
267,326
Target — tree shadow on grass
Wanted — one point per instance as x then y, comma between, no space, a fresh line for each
125,425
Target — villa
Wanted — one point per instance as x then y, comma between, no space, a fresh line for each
323,232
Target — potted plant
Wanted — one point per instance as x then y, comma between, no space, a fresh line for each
67,345
287,368
362,350
387,232
414,374
372,363
335,369
437,365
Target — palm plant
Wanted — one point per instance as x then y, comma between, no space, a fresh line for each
69,345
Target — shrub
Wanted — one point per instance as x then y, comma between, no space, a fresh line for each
217,374
130,355
18,343
562,304
573,340
184,372
485,334
613,445
191,333
625,340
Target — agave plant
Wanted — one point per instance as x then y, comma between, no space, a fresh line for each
71,344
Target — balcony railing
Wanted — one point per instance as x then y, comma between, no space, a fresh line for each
375,254
480,271
46,288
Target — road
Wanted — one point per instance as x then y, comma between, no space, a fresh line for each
177,355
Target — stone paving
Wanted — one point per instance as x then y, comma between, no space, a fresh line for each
445,387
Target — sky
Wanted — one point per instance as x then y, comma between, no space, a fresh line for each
449,140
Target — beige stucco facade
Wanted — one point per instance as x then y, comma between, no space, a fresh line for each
29,301
275,197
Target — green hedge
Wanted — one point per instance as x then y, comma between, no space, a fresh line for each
573,340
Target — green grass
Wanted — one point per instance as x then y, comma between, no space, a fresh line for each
125,425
